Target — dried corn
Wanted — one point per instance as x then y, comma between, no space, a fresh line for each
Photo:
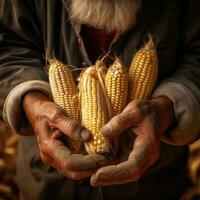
143,72
94,109
116,83
64,93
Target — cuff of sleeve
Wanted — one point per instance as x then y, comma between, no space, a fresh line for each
186,108
13,113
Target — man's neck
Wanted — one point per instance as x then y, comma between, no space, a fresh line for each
96,42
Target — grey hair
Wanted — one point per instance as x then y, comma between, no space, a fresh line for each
110,15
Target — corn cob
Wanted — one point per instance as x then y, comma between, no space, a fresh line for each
94,110
116,83
64,93
143,72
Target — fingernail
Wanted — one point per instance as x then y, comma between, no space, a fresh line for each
106,129
86,135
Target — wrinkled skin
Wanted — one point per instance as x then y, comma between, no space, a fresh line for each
146,121
50,124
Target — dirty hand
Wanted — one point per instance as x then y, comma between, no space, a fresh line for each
50,124
147,120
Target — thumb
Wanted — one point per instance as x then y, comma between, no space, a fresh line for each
118,124
73,129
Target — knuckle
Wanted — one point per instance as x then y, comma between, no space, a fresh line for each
137,173
141,106
75,176
62,170
137,177
134,110
49,146
72,126
40,118
69,163
56,114
44,159
146,107
118,121
155,154
65,164
135,104
75,162
69,174
39,123
43,149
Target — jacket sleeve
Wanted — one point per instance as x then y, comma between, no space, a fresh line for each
183,87
21,60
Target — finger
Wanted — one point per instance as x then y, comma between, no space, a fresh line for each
64,161
132,115
118,124
49,143
139,161
77,161
48,140
147,143
76,175
61,155
47,160
125,172
107,182
72,128
54,153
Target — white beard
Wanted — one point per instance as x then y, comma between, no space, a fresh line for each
109,15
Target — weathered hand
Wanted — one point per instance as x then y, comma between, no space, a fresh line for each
50,125
146,120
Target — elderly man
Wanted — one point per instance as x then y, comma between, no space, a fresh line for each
77,32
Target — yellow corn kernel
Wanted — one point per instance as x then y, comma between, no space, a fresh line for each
94,111
116,83
143,72
64,93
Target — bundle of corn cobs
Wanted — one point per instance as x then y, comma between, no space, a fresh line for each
102,92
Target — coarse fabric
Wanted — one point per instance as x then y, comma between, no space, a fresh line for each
30,30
